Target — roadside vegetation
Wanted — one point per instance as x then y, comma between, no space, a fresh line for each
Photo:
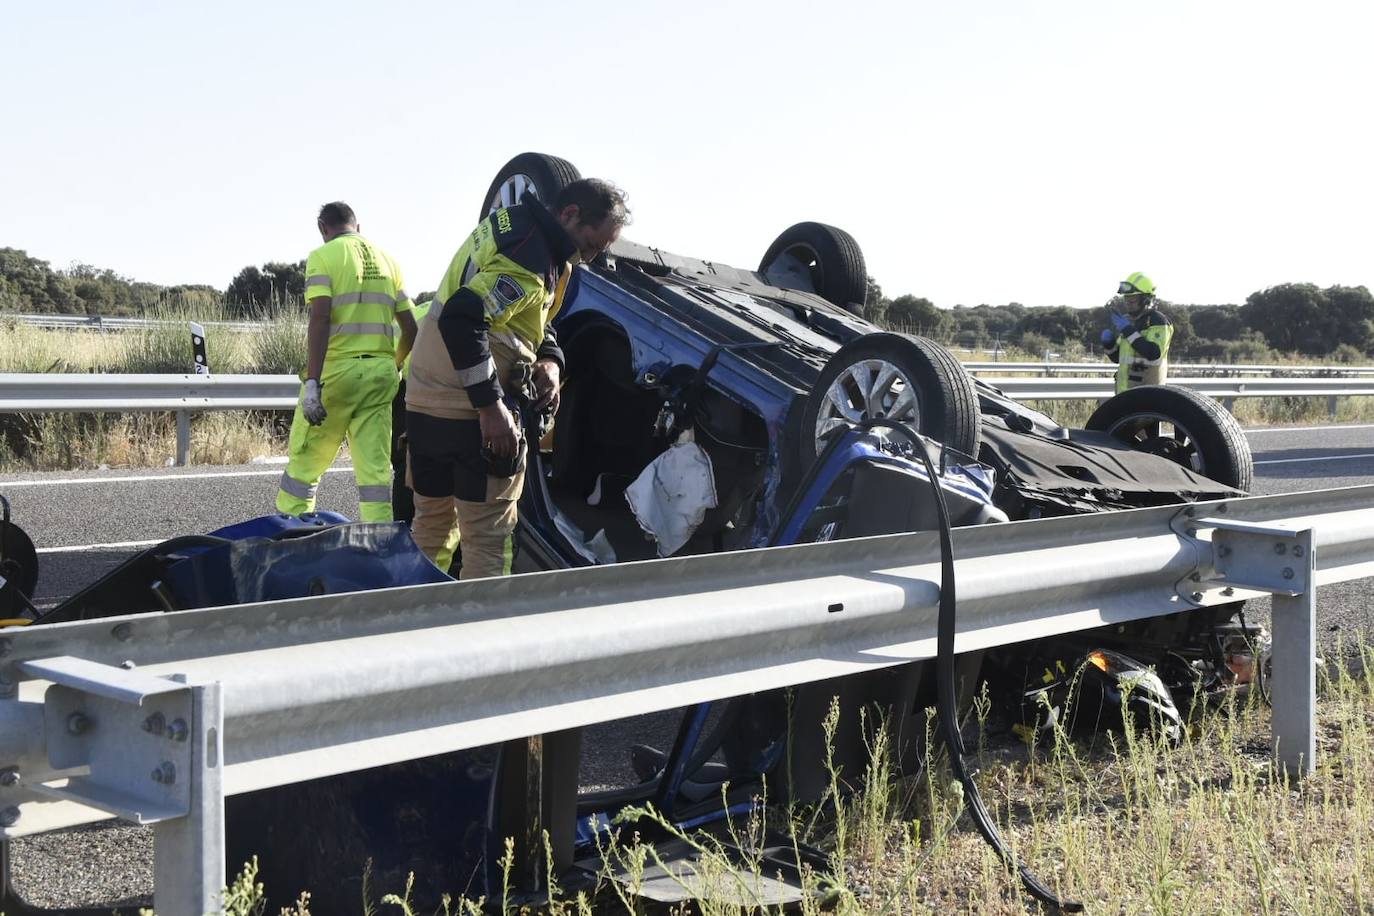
1123,822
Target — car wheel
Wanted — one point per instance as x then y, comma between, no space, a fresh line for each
896,377
819,259
545,175
1183,426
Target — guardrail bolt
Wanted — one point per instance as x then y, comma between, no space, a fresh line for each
1196,577
78,723
9,817
1197,596
178,730
1280,549
166,773
1297,550
1288,572
1228,591
9,777
1192,532
155,724
122,632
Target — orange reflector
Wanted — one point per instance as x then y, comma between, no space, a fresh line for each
1100,660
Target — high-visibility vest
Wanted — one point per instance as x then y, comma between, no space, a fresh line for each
367,291
1132,369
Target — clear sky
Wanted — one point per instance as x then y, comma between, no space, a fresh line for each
980,152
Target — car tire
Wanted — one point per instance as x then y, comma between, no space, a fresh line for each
1206,437
543,174
820,259
944,407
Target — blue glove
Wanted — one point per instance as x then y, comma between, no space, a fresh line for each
1108,338
1122,324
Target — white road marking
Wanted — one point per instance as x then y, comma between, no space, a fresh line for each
116,545
1318,458
1308,429
4,484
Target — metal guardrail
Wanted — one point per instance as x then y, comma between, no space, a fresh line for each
103,323
181,394
1104,368
282,692
1225,390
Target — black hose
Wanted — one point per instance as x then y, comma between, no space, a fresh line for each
945,685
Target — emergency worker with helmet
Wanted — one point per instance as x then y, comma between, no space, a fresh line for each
1138,341
357,303
485,341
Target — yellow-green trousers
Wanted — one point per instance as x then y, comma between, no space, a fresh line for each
357,394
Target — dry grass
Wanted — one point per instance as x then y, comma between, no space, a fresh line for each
69,441
1128,824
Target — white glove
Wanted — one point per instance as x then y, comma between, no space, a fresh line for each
312,406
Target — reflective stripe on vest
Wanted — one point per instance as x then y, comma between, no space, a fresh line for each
364,298
317,280
362,327
473,375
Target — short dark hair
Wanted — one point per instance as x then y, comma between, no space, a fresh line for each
596,202
337,214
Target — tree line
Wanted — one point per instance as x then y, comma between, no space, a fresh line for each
1288,319
1292,318
31,286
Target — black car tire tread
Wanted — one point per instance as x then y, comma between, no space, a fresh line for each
550,173
1220,441
843,272
949,404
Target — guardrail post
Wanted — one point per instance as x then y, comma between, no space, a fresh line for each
183,438
1331,406
1294,679
1229,404
188,852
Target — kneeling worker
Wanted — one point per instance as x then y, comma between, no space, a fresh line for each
486,332
356,300
1138,341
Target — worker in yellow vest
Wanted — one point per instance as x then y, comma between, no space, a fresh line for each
486,333
357,300
1138,341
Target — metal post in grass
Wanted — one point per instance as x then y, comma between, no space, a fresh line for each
188,851
1331,406
1294,680
1274,559
183,438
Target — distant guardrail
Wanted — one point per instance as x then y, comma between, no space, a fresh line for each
39,392
103,323
186,394
1188,369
